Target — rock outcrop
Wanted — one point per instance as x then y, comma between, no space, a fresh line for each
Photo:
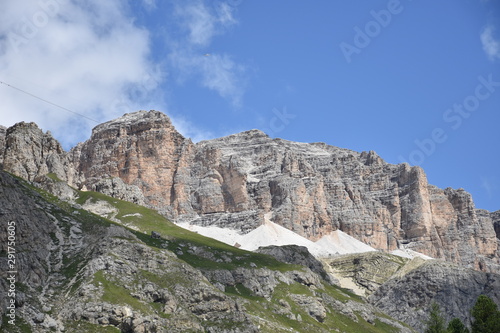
31,239
73,268
365,272
46,239
121,266
311,189
454,289
495,216
78,272
30,154
297,255
143,150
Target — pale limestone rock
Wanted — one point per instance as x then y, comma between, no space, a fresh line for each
30,154
143,149
309,188
455,289
115,187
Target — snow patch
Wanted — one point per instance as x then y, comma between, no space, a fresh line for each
270,233
338,242
228,236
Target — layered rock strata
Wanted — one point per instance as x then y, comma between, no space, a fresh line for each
311,189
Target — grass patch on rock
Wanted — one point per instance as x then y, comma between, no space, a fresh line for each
114,293
86,327
143,221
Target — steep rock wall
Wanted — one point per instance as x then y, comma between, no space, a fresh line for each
233,181
142,149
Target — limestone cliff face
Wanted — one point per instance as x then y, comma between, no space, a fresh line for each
313,189
142,149
77,272
233,181
30,154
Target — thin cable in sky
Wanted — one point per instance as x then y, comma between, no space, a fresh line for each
46,101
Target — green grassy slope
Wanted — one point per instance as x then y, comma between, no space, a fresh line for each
141,221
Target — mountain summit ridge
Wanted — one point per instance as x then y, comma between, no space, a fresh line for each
309,188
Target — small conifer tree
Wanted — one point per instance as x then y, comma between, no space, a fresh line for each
436,322
456,326
486,316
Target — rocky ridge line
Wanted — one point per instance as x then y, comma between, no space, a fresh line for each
311,189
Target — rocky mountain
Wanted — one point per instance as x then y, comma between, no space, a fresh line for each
137,272
455,289
92,263
311,189
405,288
92,256
30,154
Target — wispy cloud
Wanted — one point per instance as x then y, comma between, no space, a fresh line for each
491,46
222,74
488,185
199,23
95,59
190,130
216,71
203,22
150,4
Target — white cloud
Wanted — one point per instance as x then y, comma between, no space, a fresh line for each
203,22
88,57
215,71
225,14
91,58
199,23
222,74
491,46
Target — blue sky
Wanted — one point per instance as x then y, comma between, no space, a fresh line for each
416,81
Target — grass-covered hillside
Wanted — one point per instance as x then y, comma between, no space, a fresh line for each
102,271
